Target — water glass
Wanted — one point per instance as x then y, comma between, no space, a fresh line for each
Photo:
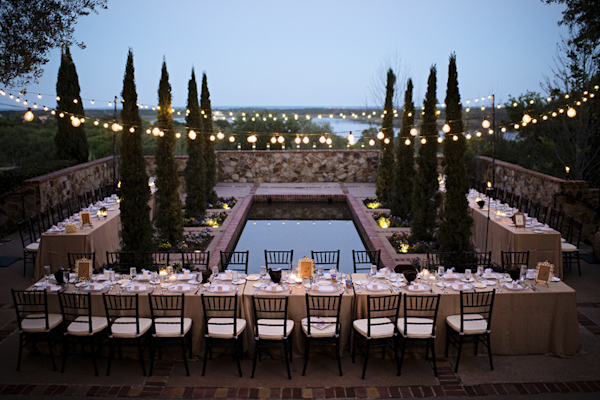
441,271
285,274
523,273
154,276
47,271
373,270
111,275
467,274
132,273
263,272
169,270
480,270
234,276
66,276
320,270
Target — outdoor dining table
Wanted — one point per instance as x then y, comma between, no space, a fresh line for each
193,301
501,236
296,311
528,321
103,236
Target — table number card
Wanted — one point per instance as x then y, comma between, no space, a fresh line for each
545,270
83,268
519,220
306,267
86,219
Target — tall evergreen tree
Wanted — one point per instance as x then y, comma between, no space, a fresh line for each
71,142
385,171
404,173
210,159
195,170
169,219
136,227
455,227
426,197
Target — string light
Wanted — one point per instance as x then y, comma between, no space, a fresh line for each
28,115
192,135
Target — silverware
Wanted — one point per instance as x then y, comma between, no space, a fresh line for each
199,288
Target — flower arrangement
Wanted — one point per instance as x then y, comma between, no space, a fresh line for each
177,266
164,246
386,220
405,243
196,240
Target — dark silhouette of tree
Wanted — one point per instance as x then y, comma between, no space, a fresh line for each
71,142
169,218
385,171
210,159
195,171
136,227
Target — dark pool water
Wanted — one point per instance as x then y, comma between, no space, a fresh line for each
301,226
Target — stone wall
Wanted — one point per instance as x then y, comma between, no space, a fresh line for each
568,196
41,192
298,166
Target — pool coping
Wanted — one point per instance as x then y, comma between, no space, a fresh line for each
373,240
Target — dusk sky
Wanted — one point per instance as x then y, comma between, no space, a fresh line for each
310,53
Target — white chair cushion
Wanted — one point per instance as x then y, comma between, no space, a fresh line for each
81,326
474,324
418,328
274,332
384,330
125,327
222,328
171,326
34,323
568,247
315,332
32,247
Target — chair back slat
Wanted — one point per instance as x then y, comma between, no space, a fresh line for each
117,306
270,312
172,306
225,308
476,303
420,306
279,258
75,305
195,259
512,259
381,307
323,306
363,259
331,258
235,260
32,304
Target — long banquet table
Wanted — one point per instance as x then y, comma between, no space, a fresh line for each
523,322
102,237
542,247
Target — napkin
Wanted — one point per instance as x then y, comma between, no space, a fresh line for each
374,286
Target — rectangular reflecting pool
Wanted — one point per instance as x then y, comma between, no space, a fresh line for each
299,226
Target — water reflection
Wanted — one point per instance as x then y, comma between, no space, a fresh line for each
301,226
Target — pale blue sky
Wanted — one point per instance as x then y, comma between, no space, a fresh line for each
311,53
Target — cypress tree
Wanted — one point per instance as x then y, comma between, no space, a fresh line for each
169,219
71,142
136,227
385,171
455,226
404,173
195,174
210,159
426,198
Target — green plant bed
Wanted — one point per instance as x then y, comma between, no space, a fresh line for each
191,241
406,243
386,220
373,203
213,220
225,203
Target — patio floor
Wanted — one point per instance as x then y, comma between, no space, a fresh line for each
535,376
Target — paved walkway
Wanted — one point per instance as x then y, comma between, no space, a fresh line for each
535,376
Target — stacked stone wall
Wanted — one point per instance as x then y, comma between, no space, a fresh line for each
572,197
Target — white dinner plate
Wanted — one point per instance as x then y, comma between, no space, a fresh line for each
509,286
270,288
221,288
419,288
181,288
253,277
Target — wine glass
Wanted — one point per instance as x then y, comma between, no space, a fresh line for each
47,273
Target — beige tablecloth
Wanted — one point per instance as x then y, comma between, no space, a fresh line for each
502,237
103,237
297,311
523,322
193,309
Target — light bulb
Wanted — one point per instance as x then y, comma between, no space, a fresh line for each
212,138
132,129
380,135
178,135
192,135
526,118
455,138
297,140
28,115
305,140
220,135
75,122
571,112
485,124
155,131
386,140
407,142
446,128
414,131
329,141
351,139
231,139
371,142
423,141
322,139
273,140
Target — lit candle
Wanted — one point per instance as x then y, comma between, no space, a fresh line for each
173,278
162,272
293,277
